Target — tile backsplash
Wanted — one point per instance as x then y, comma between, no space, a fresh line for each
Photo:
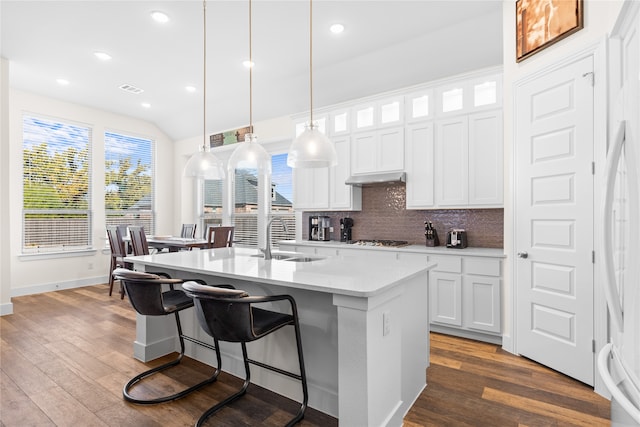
384,216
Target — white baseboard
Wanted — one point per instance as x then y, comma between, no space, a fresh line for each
57,286
6,308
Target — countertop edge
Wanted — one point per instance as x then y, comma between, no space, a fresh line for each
437,250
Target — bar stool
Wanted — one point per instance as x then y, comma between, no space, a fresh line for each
147,298
229,315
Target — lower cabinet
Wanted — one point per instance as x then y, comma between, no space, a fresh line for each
465,296
465,291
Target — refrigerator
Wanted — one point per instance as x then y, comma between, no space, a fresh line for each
619,360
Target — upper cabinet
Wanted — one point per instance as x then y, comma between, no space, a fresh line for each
318,189
445,135
468,96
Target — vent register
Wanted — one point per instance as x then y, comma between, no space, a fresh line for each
131,88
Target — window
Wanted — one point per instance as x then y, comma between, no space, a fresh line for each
128,170
56,190
246,200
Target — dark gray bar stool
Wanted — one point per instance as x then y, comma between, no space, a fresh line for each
230,315
147,298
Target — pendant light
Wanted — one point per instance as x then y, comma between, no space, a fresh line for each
204,164
249,154
312,149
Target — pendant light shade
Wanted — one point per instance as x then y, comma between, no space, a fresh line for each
204,164
312,148
250,155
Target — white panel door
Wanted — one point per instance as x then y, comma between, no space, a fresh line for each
554,220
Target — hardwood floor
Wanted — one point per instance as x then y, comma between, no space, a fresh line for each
64,357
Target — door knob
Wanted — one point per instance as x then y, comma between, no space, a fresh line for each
523,255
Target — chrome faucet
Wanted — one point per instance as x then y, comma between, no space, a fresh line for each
267,249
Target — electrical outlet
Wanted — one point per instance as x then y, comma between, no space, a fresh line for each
386,323
331,229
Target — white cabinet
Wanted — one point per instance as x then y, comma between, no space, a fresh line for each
486,159
468,153
380,150
311,188
419,165
452,162
465,295
324,188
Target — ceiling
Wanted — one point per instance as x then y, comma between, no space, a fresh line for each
386,45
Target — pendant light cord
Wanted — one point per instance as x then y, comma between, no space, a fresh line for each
204,76
250,75
311,63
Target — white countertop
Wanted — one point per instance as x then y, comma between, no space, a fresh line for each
438,250
345,275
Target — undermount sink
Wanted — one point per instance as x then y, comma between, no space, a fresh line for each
304,259
290,256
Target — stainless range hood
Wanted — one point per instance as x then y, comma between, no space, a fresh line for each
376,178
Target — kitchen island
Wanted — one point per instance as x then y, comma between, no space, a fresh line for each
364,324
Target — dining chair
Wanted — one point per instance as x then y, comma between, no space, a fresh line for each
232,315
148,298
138,240
220,236
118,252
188,231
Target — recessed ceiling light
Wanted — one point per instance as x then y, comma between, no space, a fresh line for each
146,105
160,17
336,28
248,64
102,56
190,89
62,82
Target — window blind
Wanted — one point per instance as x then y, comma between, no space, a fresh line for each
129,191
56,189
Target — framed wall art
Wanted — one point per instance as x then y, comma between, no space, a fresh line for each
541,23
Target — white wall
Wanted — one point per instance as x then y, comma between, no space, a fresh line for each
32,274
6,307
599,17
268,132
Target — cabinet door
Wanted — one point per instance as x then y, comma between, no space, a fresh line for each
485,158
419,164
391,149
452,164
482,307
445,298
311,188
363,159
342,196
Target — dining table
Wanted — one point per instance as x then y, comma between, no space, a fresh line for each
175,243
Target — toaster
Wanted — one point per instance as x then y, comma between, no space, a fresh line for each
457,238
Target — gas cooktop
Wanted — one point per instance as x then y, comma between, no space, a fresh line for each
388,243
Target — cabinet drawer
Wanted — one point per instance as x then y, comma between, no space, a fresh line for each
482,266
451,264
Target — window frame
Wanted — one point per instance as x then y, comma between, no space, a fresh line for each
61,249
150,221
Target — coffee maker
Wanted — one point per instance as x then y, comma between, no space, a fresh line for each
319,228
346,224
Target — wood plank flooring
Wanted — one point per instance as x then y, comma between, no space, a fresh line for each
64,357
